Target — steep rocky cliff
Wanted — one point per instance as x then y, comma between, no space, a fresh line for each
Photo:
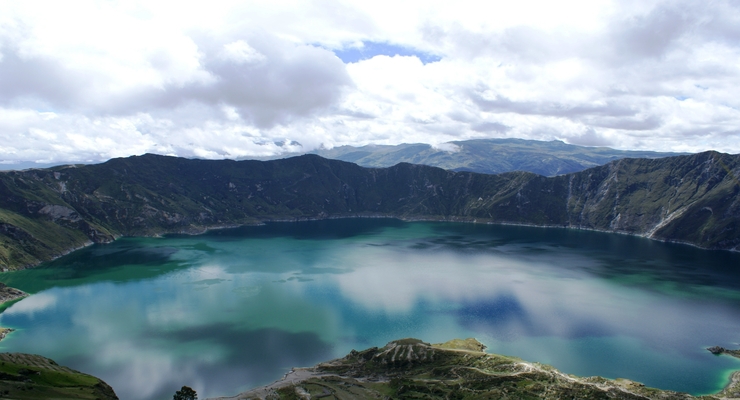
45,213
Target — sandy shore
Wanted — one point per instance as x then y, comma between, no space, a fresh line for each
732,390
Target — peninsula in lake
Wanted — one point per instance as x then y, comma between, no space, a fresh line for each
458,369
46,213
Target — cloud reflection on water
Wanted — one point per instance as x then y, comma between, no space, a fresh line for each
224,314
150,338
30,305
510,295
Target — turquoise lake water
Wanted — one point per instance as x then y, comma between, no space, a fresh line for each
232,309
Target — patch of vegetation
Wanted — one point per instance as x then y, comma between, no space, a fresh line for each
412,369
26,376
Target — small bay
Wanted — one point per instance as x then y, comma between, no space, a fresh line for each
235,308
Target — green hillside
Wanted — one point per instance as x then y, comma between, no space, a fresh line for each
30,377
412,369
45,213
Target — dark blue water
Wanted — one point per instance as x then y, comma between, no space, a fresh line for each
231,309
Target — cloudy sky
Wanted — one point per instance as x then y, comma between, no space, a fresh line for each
91,80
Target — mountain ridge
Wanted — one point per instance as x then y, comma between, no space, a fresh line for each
45,213
489,156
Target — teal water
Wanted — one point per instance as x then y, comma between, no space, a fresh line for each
232,309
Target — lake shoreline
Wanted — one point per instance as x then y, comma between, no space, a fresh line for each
465,220
195,231
732,388
734,382
8,294
4,332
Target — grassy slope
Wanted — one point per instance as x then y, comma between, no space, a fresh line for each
410,369
693,199
26,376
44,213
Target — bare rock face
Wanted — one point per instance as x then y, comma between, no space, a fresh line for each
60,212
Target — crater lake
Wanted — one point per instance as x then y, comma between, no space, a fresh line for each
236,308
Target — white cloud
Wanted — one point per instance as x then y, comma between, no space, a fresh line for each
93,79
241,52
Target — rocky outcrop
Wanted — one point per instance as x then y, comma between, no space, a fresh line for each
717,350
59,212
4,332
410,368
8,293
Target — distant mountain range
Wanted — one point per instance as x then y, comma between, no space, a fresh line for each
489,156
45,213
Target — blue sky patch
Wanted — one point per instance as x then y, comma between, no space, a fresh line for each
372,49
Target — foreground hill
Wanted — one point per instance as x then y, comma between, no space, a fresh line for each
28,376
45,213
459,369
489,156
